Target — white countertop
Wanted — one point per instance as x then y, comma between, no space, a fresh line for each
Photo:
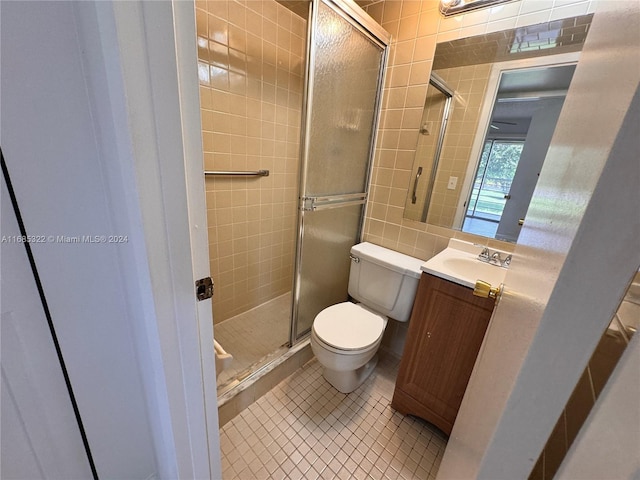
459,263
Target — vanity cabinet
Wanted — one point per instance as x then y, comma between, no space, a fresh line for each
446,330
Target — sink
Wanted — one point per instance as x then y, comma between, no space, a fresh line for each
459,263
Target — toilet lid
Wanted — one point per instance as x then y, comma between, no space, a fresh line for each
348,326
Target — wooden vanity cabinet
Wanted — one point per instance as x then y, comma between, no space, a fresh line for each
446,330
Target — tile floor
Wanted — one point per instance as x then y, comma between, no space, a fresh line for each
305,429
253,336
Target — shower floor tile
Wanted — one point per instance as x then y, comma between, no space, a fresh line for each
305,429
253,336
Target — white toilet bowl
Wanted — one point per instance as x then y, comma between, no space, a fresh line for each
345,337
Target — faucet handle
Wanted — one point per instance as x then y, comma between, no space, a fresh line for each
496,258
484,254
507,261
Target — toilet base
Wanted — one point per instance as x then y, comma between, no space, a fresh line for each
348,381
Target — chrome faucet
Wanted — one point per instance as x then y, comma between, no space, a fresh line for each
494,258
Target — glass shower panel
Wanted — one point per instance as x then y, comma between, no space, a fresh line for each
344,77
324,273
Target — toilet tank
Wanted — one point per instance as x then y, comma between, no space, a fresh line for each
384,280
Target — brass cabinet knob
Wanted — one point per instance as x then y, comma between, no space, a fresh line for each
485,290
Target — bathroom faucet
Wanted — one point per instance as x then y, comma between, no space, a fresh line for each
494,258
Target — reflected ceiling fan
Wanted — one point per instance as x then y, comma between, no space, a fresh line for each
502,123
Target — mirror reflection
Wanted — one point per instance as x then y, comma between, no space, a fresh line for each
478,158
432,131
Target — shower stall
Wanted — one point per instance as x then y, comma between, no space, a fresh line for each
290,95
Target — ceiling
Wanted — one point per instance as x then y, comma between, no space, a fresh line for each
542,79
522,92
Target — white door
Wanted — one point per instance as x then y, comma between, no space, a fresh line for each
577,252
184,24
39,436
524,181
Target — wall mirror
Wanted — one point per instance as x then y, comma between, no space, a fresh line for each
491,108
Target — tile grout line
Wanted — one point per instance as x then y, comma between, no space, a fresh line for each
304,429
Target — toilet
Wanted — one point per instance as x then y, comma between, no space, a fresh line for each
345,337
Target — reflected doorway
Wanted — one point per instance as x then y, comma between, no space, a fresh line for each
524,113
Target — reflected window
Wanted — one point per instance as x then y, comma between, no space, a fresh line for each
491,186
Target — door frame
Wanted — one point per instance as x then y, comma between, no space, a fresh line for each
155,45
204,381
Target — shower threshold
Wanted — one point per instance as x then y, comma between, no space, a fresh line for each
250,370
254,337
256,373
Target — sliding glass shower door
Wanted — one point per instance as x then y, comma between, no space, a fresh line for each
344,77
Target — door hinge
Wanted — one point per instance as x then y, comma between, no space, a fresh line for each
204,288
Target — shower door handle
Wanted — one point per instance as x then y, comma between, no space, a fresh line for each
415,185
311,204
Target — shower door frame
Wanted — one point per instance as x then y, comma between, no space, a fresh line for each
440,85
358,19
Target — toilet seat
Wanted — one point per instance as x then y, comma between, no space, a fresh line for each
349,327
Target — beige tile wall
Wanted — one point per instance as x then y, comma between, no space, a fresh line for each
470,84
416,27
250,66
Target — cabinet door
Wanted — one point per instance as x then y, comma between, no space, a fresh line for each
446,330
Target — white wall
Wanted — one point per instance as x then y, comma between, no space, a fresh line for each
575,256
